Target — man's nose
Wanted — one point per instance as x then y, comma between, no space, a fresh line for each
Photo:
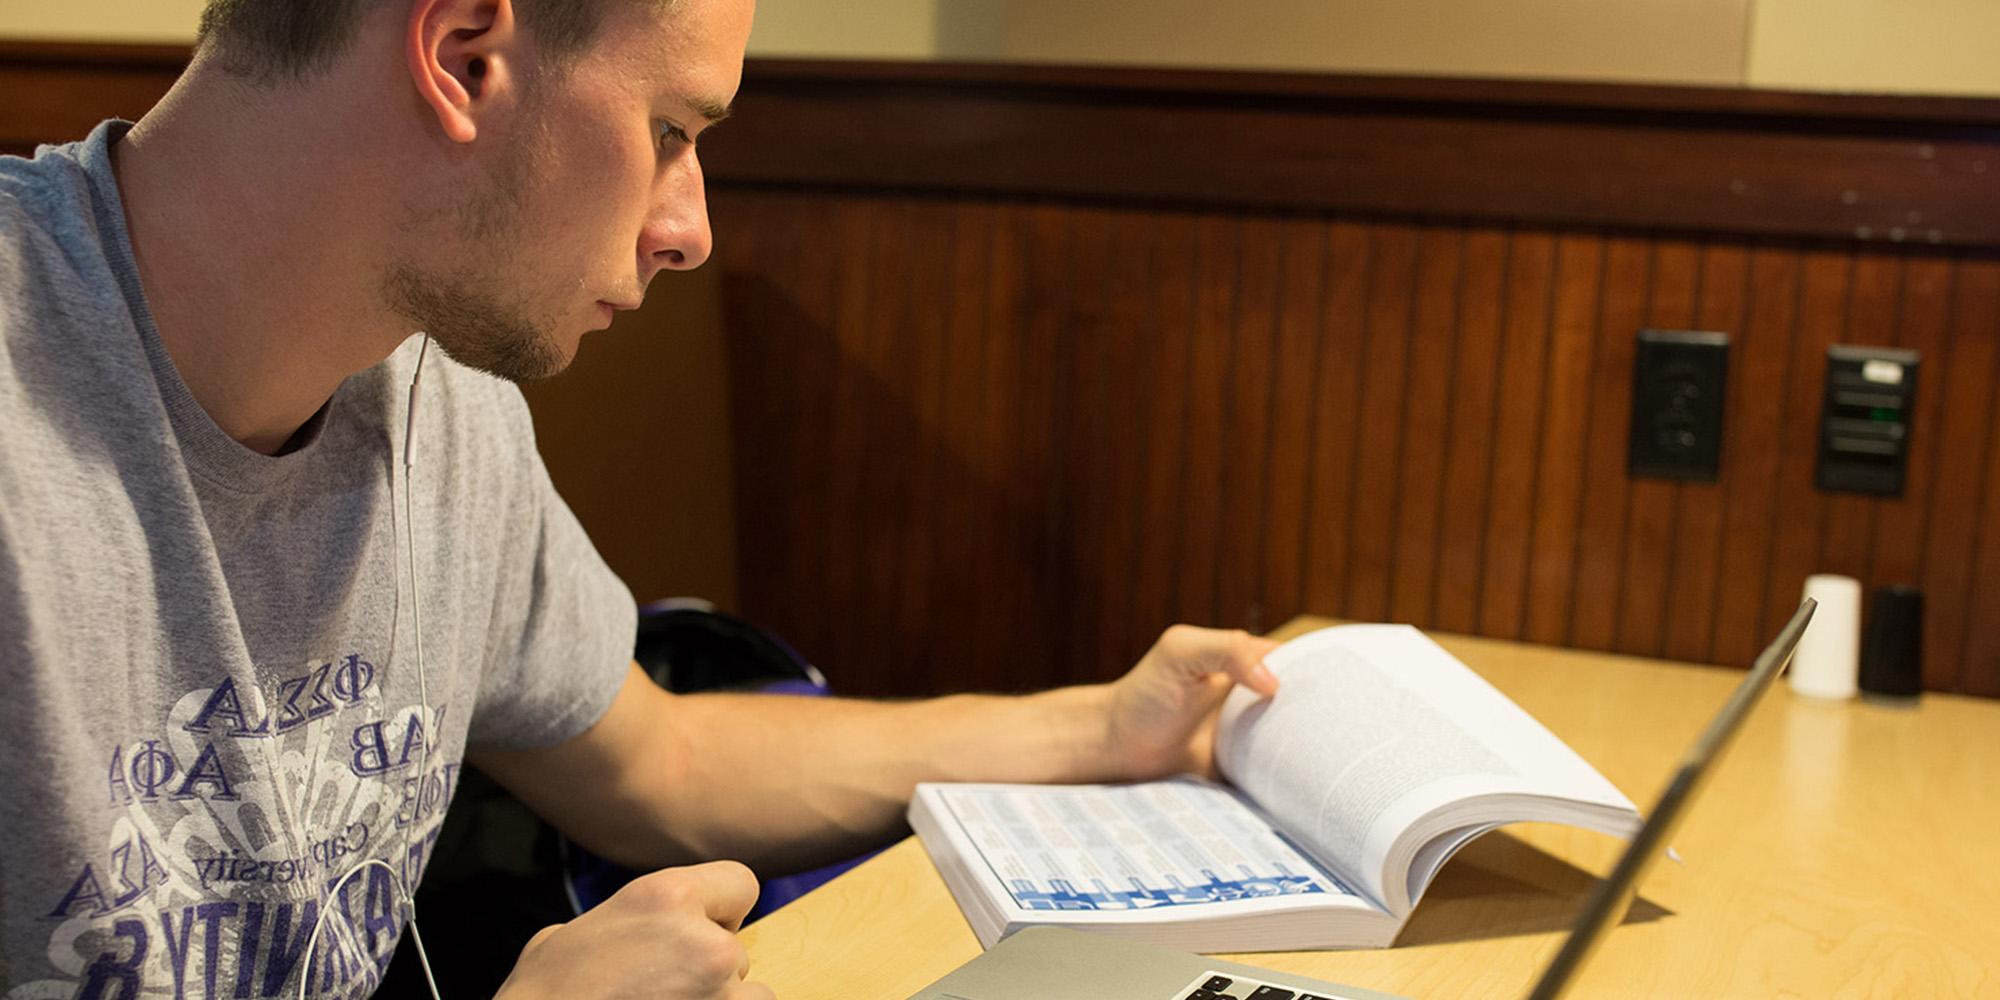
676,236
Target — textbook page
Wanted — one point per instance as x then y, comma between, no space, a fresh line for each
1376,726
1178,845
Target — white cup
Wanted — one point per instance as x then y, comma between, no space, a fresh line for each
1829,653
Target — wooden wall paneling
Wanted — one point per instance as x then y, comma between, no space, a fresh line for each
781,349
1281,570
1041,494
1801,507
1079,364
1565,435
1378,448
1601,526
1000,579
960,602
1133,341
1469,451
824,286
1757,413
1336,411
1923,319
761,402
1248,435
1295,373
1874,291
1980,673
1671,300
1218,250
1517,442
1426,424
1155,559
1094,349
878,466
1960,483
837,535
1695,560
915,604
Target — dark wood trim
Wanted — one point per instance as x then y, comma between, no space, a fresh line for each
1688,159
1337,88
57,91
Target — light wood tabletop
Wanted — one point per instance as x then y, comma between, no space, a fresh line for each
1843,850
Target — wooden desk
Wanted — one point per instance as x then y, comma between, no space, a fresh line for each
1847,850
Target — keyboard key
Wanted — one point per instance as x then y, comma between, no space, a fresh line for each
1208,994
1272,993
1217,983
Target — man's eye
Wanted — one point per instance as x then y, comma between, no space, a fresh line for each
669,132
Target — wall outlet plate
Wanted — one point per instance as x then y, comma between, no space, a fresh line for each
1679,379
1864,424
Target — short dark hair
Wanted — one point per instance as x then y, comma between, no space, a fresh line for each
274,40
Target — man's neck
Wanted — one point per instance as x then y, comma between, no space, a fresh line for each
260,270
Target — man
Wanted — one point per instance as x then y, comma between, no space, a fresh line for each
254,611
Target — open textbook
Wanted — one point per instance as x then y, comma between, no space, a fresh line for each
1380,756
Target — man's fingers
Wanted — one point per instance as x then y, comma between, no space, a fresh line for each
1240,655
728,890
724,891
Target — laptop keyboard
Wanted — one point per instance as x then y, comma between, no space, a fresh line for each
1216,986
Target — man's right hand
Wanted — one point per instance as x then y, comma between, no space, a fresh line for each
670,935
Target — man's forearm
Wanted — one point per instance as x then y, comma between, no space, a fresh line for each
787,783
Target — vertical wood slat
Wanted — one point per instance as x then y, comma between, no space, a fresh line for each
1378,429
1300,355
1979,665
1531,282
1795,532
1698,511
1559,477
1475,392
1600,543
885,466
1131,326
1953,527
1671,296
1138,416
1218,249
1758,409
1247,451
1426,425
1154,559
1336,409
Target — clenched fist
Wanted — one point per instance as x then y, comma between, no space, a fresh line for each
670,935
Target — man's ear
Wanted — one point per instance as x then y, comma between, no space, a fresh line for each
463,55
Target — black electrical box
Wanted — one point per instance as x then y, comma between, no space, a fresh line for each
1864,437
1678,377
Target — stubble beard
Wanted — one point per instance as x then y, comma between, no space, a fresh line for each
459,308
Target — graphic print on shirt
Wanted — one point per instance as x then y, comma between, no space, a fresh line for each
234,825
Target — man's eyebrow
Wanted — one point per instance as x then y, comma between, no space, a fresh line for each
711,109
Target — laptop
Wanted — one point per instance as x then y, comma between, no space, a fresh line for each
1041,963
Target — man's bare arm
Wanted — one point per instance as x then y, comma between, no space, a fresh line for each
785,783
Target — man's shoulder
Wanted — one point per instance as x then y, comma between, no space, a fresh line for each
52,253
43,194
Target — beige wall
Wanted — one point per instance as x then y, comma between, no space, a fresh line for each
1684,41
100,20
1916,46
1909,46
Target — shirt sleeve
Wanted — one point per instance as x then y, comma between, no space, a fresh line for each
561,641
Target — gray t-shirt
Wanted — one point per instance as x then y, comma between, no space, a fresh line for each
209,704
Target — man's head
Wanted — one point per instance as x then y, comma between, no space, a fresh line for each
544,163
